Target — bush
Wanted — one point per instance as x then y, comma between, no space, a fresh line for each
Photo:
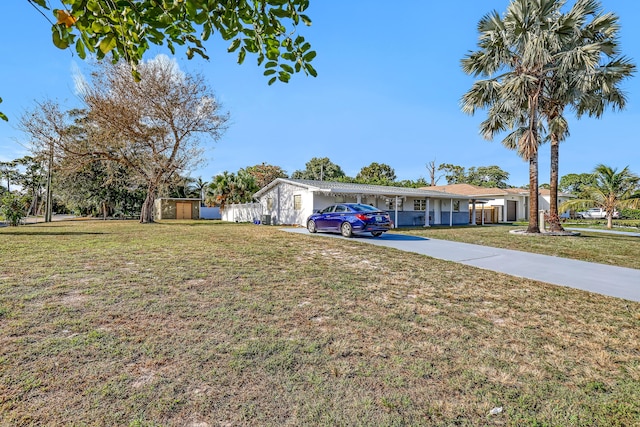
13,208
630,213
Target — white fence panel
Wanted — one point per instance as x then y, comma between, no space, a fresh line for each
246,212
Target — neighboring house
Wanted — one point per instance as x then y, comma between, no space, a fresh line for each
495,205
545,200
491,205
176,208
291,201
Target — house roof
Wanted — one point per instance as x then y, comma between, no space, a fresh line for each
477,191
332,187
470,190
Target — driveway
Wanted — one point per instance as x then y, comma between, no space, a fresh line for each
603,279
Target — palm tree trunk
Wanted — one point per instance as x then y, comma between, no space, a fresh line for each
533,194
610,221
554,218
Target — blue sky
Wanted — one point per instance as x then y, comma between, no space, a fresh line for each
388,91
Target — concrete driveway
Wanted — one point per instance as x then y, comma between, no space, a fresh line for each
603,279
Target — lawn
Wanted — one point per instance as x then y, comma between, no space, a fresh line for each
207,324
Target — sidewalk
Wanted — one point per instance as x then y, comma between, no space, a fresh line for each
603,279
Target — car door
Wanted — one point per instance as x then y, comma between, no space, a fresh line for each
335,218
322,221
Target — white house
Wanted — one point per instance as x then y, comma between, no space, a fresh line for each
291,201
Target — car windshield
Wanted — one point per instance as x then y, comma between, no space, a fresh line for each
364,208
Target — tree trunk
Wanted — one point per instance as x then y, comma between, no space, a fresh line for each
554,217
610,221
146,213
533,194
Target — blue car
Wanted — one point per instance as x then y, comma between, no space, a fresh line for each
349,219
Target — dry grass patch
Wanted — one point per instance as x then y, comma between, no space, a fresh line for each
201,323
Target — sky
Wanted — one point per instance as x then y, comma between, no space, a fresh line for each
388,90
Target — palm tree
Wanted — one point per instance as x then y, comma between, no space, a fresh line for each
612,190
221,187
514,59
580,78
198,188
538,61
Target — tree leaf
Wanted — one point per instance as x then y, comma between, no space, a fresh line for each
107,43
234,45
80,49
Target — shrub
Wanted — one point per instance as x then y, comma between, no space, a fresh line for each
630,213
13,208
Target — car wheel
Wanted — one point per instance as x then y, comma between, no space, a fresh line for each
376,233
311,226
346,230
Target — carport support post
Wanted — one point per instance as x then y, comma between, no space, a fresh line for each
451,213
395,225
473,210
426,214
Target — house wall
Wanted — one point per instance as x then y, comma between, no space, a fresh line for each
282,209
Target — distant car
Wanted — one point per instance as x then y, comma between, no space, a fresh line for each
595,213
350,218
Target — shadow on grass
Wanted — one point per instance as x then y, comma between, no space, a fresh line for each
399,237
50,233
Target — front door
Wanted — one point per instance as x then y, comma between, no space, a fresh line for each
183,210
511,210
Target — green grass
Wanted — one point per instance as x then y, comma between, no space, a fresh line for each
202,323
611,249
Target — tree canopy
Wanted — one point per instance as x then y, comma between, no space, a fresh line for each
264,173
320,169
126,29
152,128
483,176
376,173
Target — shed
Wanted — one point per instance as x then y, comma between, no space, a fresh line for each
176,208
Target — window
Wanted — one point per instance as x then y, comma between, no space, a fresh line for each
270,204
419,205
456,205
341,208
297,202
390,204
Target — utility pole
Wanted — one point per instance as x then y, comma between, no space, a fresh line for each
48,210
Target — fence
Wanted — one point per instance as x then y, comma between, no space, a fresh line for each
245,212
210,213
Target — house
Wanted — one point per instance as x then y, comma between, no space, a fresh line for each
176,208
291,201
491,205
496,205
545,199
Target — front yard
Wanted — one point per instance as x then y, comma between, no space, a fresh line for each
205,324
